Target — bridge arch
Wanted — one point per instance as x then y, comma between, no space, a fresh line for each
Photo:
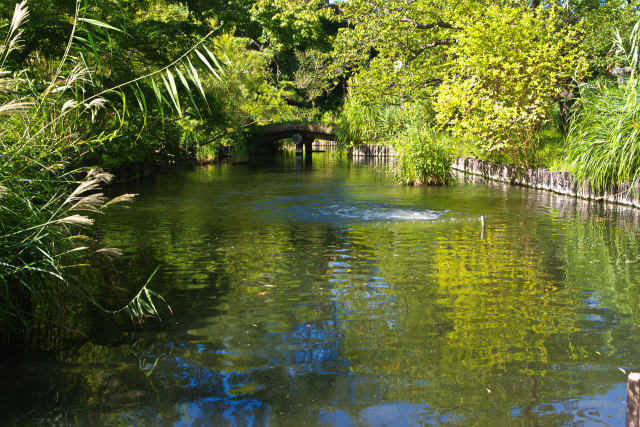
302,133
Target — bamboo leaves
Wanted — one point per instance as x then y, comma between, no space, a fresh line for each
98,23
141,305
170,84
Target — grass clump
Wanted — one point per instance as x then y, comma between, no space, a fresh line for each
360,123
604,138
425,158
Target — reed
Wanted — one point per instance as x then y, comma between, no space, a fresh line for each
47,202
425,157
604,136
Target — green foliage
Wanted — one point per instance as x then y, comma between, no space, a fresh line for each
244,96
49,125
509,67
310,77
361,123
398,48
358,123
600,25
289,24
604,139
425,157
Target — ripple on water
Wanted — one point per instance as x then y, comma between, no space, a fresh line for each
371,212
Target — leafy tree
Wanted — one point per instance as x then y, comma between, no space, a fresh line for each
508,69
398,48
310,77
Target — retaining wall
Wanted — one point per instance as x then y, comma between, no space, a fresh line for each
543,179
372,150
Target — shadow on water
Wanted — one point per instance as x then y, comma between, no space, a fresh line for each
330,295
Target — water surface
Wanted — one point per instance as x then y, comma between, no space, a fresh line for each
329,295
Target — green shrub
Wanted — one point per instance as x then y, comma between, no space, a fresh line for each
508,69
604,137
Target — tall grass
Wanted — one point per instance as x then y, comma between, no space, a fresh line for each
364,124
604,136
425,157
47,203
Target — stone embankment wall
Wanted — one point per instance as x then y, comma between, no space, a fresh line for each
543,179
324,145
372,150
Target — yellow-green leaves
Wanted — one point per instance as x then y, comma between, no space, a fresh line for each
508,67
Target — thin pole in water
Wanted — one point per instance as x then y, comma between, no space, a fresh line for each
482,232
633,400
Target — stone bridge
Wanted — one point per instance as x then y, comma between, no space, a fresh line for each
302,133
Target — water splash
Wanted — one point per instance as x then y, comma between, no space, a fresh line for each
373,212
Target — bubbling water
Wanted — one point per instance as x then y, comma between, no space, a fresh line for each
375,213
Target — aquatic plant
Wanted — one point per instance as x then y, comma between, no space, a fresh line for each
424,157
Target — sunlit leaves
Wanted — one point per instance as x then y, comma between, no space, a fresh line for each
509,66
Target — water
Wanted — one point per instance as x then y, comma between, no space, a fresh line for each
329,295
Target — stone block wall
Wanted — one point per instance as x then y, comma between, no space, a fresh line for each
372,150
557,181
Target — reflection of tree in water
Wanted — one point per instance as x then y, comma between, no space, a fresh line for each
482,327
283,321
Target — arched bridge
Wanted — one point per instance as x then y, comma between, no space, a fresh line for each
302,133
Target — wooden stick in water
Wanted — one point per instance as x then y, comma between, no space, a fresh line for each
633,400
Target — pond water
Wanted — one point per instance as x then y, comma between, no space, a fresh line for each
329,295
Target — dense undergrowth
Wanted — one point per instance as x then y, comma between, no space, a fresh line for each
51,125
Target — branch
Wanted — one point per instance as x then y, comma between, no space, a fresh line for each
421,49
423,26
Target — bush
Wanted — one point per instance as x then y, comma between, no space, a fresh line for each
509,67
